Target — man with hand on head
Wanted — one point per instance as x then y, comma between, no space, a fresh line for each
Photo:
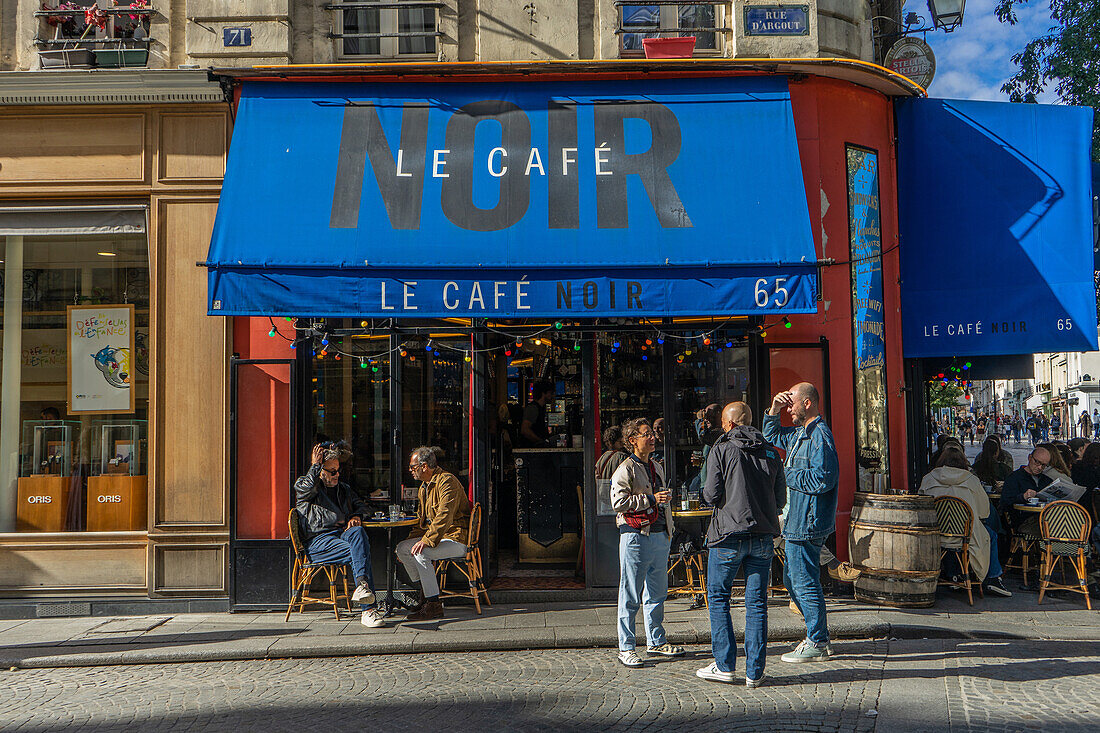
332,519
744,482
812,472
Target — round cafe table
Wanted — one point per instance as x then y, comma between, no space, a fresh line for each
1036,508
389,603
694,569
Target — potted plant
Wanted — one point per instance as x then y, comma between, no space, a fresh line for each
65,57
130,32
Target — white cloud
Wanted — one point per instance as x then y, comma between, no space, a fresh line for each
976,59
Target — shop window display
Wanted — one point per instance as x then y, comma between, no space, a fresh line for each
75,373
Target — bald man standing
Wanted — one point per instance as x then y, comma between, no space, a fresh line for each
812,471
744,483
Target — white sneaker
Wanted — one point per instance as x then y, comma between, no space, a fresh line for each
363,594
372,619
630,659
712,673
754,683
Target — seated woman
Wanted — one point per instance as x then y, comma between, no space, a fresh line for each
989,466
951,477
1057,468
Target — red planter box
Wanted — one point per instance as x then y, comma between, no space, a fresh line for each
669,48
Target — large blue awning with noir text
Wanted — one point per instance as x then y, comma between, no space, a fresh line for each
995,206
525,199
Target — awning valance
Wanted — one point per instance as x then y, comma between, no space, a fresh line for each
582,198
995,210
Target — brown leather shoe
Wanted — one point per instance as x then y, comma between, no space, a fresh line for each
845,572
430,611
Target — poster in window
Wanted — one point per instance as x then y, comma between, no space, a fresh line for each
101,344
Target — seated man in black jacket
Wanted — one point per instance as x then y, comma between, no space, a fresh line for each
332,518
744,482
1022,484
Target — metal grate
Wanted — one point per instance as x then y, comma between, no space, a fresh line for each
52,610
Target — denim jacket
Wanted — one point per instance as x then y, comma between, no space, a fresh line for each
812,472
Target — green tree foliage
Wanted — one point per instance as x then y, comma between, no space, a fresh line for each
943,395
1067,57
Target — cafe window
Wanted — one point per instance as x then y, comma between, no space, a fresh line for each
74,390
435,402
638,22
709,377
349,390
387,31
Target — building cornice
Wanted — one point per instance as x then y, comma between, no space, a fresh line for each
861,73
130,86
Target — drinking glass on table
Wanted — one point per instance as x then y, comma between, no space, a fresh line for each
395,512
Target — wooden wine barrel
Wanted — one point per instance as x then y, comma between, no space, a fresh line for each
895,542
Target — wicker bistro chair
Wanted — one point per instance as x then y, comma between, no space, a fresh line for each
469,565
1065,526
304,571
956,520
1023,545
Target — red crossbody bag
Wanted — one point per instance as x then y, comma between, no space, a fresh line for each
646,517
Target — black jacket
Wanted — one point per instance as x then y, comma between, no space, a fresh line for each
745,485
1012,492
323,509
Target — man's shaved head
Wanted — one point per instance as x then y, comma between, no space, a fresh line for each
806,391
736,413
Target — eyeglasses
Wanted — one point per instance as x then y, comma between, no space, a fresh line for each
333,472
413,467
644,435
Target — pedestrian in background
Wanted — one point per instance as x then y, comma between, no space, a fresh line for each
812,472
644,518
744,483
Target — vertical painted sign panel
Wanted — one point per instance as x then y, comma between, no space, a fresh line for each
868,317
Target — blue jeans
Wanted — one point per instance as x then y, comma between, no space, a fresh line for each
995,569
802,576
723,561
350,548
643,580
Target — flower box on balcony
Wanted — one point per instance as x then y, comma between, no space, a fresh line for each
669,48
67,58
115,58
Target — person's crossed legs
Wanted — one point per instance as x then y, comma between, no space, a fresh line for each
350,548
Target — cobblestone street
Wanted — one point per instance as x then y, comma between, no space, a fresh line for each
870,685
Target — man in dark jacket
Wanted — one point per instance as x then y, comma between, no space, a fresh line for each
331,520
1022,484
744,482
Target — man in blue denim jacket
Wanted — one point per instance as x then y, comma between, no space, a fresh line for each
812,471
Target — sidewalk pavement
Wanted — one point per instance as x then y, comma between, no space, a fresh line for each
93,641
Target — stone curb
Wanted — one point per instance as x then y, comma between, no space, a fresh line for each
432,641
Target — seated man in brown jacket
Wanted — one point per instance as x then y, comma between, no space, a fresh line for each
441,531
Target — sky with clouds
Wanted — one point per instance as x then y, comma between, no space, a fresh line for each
973,61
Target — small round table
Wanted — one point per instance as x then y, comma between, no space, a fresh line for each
391,570
1035,508
693,564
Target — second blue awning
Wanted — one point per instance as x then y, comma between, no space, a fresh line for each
540,199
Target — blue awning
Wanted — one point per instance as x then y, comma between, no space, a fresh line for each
528,199
995,214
